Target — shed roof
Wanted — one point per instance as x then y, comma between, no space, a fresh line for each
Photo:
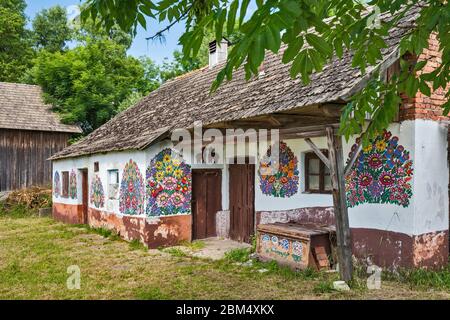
180,102
22,107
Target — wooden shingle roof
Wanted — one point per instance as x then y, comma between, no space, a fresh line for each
22,108
180,102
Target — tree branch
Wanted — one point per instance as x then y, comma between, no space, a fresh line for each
167,28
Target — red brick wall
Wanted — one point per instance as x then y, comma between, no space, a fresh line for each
421,106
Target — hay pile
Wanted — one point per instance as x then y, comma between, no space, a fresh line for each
32,198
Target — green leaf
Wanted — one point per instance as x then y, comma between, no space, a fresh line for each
219,24
424,88
142,20
297,64
272,39
292,7
292,50
316,59
162,16
419,65
243,11
411,86
319,44
256,54
232,16
338,47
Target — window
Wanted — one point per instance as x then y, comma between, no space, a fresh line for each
65,184
96,166
113,184
317,175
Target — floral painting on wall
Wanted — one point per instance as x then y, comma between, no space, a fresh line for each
169,185
284,183
382,173
97,193
56,185
131,200
73,185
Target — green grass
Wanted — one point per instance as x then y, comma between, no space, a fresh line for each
238,255
150,294
323,287
421,278
137,245
36,252
194,245
176,252
15,211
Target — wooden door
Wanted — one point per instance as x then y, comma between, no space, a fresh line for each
85,195
206,201
242,202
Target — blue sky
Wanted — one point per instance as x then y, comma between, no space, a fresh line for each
154,49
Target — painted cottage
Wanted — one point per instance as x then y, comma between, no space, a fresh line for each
128,176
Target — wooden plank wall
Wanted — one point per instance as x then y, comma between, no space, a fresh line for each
23,157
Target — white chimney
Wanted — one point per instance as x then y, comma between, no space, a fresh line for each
218,53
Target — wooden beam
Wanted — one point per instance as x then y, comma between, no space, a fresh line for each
310,128
343,236
355,155
331,110
302,135
318,152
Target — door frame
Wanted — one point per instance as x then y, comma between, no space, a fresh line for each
253,215
193,205
84,195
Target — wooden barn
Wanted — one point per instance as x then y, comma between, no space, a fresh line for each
30,133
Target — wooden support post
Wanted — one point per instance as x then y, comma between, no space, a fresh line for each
344,248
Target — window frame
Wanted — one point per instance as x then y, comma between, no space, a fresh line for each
310,155
65,184
109,172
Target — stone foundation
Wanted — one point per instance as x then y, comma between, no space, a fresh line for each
318,215
392,250
154,232
68,213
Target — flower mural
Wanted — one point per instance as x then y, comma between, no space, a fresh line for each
284,183
131,200
97,193
56,185
73,185
381,173
169,185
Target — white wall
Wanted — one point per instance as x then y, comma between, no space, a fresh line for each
431,177
109,161
301,199
389,217
428,209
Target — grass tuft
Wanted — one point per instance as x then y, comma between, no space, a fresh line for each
323,287
150,294
176,252
422,278
238,255
193,245
137,245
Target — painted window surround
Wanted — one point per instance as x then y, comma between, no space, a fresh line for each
427,211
